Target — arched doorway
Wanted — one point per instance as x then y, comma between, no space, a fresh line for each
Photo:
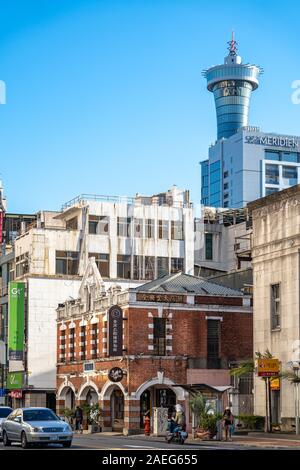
89,395
117,410
158,392
157,396
66,398
70,399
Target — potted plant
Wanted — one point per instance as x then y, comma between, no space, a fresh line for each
68,415
93,414
206,417
86,417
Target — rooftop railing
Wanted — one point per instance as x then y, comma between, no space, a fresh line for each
139,200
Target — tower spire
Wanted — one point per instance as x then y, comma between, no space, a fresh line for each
232,45
232,84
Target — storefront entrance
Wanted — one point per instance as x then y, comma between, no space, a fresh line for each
156,397
117,410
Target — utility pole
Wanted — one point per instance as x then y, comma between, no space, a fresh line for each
270,404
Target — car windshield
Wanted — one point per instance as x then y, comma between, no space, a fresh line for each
39,415
4,412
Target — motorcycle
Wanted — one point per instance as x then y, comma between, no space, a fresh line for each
177,436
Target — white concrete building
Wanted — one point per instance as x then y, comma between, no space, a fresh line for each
226,241
276,268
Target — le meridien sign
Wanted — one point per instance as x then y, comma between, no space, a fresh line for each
273,141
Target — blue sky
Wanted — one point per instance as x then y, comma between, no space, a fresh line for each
107,97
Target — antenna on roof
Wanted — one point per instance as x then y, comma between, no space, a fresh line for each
232,45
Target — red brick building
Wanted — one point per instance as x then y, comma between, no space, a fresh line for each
178,329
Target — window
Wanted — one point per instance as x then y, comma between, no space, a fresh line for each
149,228
149,267
208,246
163,229
289,175
213,339
123,228
72,224
94,340
225,186
176,265
272,174
275,306
72,344
215,184
123,266
159,336
225,174
98,225
292,157
177,230
269,191
162,266
271,155
82,343
215,200
67,262
62,347
102,262
137,267
11,271
138,228
22,264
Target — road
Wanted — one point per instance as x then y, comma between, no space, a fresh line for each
119,442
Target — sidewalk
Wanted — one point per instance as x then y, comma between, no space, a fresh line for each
258,440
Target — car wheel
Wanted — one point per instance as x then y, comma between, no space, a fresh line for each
6,441
67,444
24,442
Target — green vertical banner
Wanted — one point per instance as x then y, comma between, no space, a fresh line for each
16,320
14,380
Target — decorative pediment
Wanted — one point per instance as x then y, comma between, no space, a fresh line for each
92,281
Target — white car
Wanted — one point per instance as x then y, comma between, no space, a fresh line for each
4,412
31,426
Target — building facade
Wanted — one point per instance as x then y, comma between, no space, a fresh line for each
13,225
226,241
132,240
176,330
247,166
276,290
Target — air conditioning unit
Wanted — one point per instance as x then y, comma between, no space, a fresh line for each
89,366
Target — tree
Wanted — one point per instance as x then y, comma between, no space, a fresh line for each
248,366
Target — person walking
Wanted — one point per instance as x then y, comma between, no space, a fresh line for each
228,420
78,415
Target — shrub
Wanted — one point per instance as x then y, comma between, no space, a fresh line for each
254,422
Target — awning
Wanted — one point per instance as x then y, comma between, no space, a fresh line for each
193,389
